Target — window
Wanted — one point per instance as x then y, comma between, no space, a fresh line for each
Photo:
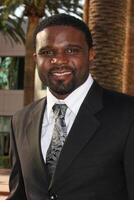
4,134
11,72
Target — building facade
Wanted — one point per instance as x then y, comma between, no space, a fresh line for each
12,58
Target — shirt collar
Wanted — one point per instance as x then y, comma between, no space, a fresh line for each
73,101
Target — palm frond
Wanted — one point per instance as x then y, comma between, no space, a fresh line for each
12,24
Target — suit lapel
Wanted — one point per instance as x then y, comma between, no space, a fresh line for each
82,131
34,136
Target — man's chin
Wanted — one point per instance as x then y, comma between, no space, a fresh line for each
65,91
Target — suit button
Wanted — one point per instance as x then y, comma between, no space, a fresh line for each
53,197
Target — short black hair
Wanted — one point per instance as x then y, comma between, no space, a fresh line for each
65,20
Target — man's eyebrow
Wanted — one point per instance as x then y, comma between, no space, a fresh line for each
44,48
66,46
74,45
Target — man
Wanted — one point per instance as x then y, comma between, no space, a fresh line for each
96,159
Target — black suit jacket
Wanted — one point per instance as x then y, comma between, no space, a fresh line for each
96,162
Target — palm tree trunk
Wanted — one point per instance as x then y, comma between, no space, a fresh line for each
34,11
86,11
107,22
129,51
29,62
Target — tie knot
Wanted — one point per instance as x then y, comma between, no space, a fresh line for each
60,109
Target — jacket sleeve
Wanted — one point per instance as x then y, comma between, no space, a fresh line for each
129,162
16,183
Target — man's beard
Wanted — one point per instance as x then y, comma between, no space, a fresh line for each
60,87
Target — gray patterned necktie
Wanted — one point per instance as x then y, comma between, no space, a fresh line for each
58,137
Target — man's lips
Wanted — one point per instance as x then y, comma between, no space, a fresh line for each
62,73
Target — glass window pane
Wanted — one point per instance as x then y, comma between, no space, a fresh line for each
4,134
11,72
5,123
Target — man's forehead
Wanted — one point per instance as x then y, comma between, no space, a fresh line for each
59,32
59,28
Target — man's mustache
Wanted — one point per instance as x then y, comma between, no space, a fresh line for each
62,68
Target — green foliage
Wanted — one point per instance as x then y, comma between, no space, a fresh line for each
8,72
49,6
4,162
11,24
57,6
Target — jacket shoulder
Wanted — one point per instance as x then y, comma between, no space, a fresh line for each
116,102
117,97
27,110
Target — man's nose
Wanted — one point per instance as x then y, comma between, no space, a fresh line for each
59,59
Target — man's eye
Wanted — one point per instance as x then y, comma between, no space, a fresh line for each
72,50
46,53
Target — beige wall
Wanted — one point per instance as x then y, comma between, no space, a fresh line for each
10,101
8,48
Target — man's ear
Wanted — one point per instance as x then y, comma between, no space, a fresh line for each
35,57
91,54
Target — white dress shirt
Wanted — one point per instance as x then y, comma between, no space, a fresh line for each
73,102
